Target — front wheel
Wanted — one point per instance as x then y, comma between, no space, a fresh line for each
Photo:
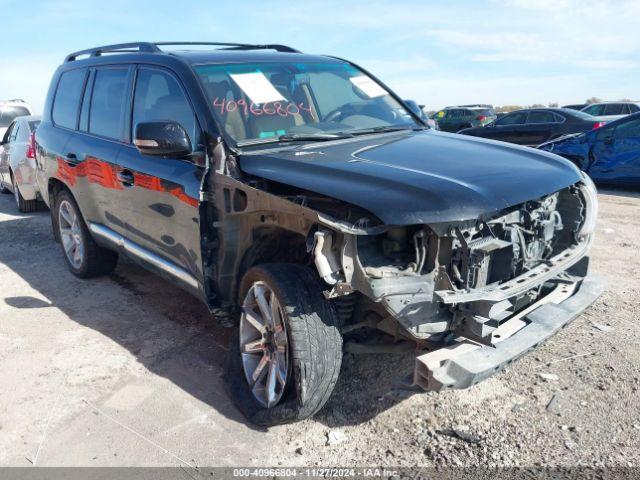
286,354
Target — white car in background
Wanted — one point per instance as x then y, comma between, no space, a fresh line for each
18,164
610,111
9,110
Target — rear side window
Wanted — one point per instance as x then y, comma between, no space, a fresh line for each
67,99
158,96
541,117
487,112
614,109
14,132
23,132
108,103
512,119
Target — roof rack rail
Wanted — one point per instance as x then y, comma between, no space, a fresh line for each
146,47
153,47
236,46
484,105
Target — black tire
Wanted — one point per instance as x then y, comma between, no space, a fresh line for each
24,206
315,346
96,260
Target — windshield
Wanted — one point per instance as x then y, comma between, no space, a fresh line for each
259,102
7,114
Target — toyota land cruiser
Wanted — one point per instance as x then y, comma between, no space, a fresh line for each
301,199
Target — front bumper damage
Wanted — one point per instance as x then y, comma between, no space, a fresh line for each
465,363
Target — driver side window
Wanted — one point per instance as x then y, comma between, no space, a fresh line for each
158,96
331,92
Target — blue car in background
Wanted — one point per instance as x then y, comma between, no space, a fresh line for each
609,154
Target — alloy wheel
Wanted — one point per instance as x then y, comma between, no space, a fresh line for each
71,233
264,345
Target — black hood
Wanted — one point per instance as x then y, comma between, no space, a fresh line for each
417,177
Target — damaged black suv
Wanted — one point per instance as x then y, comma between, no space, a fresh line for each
301,199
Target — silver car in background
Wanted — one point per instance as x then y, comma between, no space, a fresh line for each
610,111
10,110
18,164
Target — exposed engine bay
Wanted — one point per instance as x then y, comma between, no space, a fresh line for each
461,279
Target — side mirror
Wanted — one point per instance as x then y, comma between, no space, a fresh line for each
162,139
413,105
608,140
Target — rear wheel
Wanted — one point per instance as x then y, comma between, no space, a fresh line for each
286,354
24,206
84,256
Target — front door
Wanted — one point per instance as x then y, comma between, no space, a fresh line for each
160,196
506,128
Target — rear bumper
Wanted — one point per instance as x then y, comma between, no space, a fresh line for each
466,363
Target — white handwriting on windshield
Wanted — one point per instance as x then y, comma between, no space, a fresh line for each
283,109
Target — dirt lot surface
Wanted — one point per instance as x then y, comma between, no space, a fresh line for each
127,370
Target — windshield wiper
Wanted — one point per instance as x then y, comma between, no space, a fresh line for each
296,137
385,129
293,137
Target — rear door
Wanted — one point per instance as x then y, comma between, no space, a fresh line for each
616,153
90,157
540,126
160,196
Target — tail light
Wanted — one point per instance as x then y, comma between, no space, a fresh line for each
598,125
481,118
31,148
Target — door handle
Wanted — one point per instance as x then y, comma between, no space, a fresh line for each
72,159
126,177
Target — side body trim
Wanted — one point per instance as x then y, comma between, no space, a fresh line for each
131,248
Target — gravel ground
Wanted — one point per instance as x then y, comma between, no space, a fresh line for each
126,370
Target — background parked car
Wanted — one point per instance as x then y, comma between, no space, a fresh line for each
609,111
18,164
610,154
452,119
576,106
535,126
10,109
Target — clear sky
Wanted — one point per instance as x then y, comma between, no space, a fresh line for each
436,52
